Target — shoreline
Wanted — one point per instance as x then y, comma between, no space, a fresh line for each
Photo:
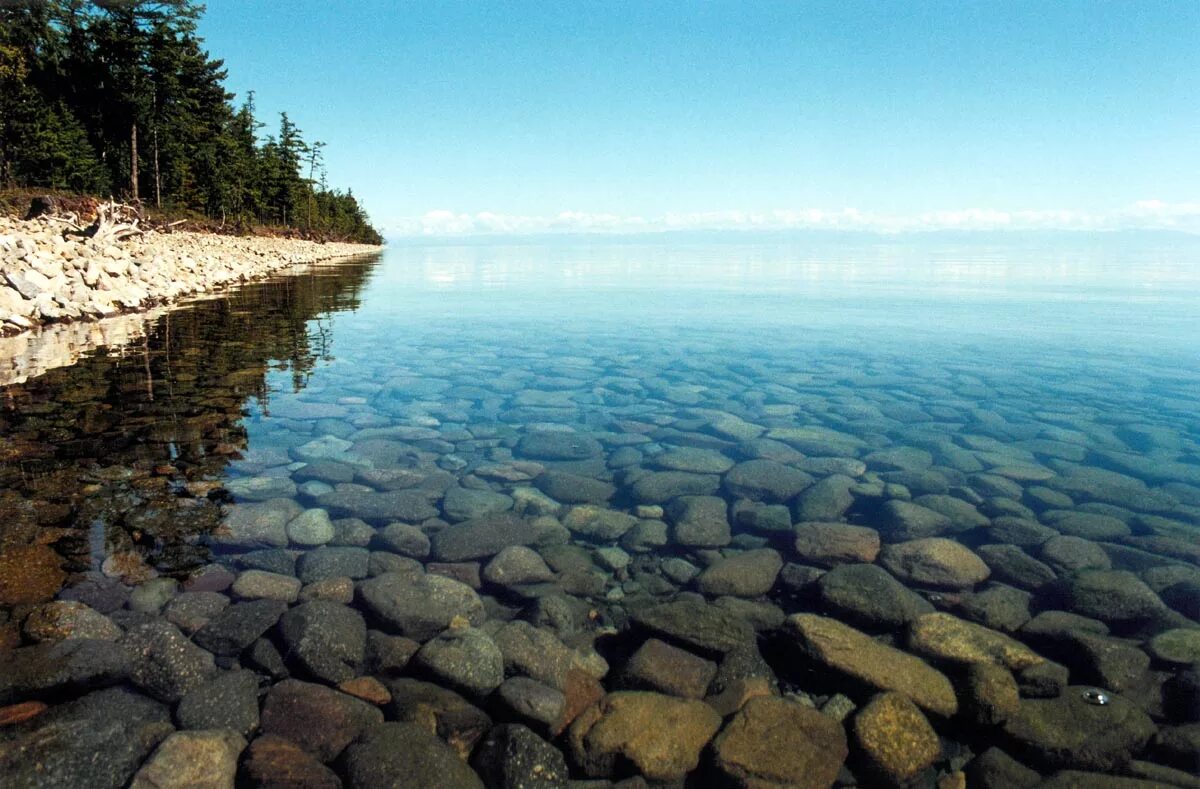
47,277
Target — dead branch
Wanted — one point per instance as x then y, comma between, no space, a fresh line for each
114,222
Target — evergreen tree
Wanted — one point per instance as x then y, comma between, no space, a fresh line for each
120,95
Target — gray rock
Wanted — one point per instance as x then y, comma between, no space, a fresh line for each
324,640
1012,565
659,487
574,488
827,500
1065,555
1108,662
68,619
402,755
699,521
646,536
420,607
269,560
694,460
237,627
536,703
410,506
191,611
404,539
997,606
868,595
257,489
902,521
97,740
1068,732
152,595
556,445
1088,525
71,666
227,701
766,481
262,585
934,562
310,528
517,565
455,720
320,720
512,756
705,628
536,653
487,536
680,571
768,519
462,504
165,663
1113,596
599,524
748,574
830,544
465,658
328,562
995,769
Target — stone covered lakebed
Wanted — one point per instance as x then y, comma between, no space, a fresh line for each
707,513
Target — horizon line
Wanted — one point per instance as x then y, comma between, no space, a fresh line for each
1143,215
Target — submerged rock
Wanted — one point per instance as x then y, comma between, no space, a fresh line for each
661,736
934,562
895,738
465,658
192,760
513,757
97,740
707,628
699,521
861,658
420,607
869,595
661,667
227,701
1069,733
325,640
774,742
748,574
278,763
831,544
320,720
401,755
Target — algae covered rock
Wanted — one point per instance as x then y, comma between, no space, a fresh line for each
865,660
934,561
660,736
1068,732
895,737
774,742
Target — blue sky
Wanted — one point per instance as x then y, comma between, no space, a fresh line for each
460,116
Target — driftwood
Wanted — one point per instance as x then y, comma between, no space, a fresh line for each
113,221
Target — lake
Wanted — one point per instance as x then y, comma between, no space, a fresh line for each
927,504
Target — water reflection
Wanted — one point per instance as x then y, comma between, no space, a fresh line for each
130,441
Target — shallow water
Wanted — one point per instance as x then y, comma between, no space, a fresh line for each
659,421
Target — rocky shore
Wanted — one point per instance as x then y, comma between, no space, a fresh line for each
48,275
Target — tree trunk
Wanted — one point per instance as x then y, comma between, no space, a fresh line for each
133,162
157,178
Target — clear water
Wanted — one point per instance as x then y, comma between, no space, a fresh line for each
1023,376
